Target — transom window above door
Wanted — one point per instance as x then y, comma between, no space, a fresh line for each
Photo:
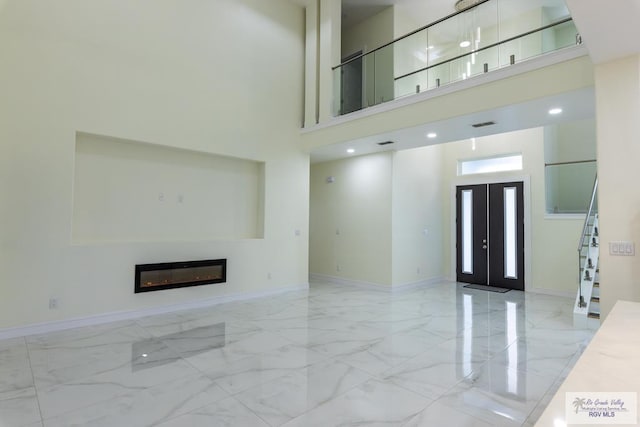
511,162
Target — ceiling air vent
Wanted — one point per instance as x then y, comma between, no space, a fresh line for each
465,4
483,124
385,143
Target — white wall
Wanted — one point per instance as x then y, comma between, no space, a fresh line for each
382,203
184,74
350,219
328,56
369,34
417,232
128,191
369,224
404,21
311,64
553,240
618,129
577,140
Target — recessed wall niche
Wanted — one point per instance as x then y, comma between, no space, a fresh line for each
133,191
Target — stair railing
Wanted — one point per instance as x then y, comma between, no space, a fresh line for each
581,302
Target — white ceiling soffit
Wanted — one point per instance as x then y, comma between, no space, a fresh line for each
610,29
576,105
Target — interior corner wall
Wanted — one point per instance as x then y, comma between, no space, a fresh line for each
417,231
330,20
350,219
369,34
618,130
182,74
376,31
311,65
553,239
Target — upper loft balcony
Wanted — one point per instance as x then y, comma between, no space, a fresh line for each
474,64
483,36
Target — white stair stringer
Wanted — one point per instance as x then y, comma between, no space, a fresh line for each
587,286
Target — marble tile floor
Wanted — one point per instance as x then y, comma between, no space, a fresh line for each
330,356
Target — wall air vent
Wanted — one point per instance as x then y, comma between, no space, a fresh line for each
465,4
385,143
483,124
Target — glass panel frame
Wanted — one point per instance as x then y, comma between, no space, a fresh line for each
568,187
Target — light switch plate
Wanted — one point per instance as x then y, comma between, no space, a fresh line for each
622,248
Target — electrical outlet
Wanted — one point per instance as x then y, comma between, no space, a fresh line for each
53,303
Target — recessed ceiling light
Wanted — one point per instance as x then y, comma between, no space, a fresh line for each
555,111
350,150
465,43
429,47
432,135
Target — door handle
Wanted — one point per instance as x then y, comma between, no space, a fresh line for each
484,241
484,246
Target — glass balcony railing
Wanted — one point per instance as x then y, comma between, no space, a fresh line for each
492,34
569,186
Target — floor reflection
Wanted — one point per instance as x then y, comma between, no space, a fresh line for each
161,350
332,355
491,324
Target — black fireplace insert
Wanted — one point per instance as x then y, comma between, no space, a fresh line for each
169,275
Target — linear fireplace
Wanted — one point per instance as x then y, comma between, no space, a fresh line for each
169,275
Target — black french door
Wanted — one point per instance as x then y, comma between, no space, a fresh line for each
490,234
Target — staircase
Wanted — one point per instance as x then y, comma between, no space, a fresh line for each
588,298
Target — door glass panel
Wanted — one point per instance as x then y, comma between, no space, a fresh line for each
510,233
467,231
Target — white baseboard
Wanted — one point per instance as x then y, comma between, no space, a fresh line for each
348,282
376,286
427,283
59,325
553,292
